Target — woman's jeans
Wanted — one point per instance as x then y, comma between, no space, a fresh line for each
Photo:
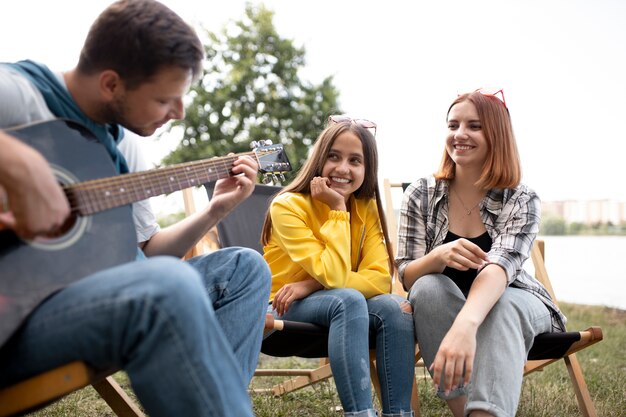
188,336
502,341
350,320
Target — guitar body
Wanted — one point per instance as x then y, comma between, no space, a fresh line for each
31,271
102,234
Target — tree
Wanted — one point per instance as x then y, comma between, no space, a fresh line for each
552,225
251,90
576,228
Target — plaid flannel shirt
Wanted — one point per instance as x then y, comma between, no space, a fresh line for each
511,217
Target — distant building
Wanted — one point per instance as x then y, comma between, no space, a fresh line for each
586,212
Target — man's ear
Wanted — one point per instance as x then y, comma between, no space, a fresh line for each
110,84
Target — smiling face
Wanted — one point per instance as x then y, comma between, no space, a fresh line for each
465,141
152,104
345,164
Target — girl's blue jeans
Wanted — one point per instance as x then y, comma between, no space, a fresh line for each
351,319
187,333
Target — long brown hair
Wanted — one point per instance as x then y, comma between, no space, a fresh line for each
502,168
315,163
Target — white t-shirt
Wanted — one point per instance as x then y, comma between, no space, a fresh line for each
22,103
146,224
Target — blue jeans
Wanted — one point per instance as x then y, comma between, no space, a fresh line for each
350,319
502,341
171,328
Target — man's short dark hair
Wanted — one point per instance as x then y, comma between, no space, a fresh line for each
137,38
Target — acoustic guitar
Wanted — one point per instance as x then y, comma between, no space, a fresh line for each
101,233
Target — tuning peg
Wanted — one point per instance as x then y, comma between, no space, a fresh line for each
267,142
266,179
282,177
254,144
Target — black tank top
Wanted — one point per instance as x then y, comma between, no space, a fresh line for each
464,279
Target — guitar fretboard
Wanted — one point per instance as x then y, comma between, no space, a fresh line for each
94,196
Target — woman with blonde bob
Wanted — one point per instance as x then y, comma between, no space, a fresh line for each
463,238
328,249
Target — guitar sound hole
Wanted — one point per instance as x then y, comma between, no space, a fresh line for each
73,228
68,234
61,231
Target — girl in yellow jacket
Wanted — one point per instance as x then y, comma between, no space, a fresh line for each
330,258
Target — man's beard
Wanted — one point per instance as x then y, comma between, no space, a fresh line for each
115,112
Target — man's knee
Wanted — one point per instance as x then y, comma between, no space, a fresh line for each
259,268
165,280
252,272
243,267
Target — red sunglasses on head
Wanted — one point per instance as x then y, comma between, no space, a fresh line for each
495,92
367,124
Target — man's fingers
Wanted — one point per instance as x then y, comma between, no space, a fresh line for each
7,221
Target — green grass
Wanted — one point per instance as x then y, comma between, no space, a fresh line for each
544,394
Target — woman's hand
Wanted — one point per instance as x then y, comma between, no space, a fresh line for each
321,191
455,358
461,254
292,292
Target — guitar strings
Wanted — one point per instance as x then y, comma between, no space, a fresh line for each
95,195
111,192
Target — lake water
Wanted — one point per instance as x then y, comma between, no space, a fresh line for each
587,269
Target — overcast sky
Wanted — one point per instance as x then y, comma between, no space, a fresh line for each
561,63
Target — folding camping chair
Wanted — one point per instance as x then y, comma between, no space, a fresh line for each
547,348
551,347
242,227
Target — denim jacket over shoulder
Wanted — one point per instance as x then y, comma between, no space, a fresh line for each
511,217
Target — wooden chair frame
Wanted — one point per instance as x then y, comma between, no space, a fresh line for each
306,377
588,337
40,390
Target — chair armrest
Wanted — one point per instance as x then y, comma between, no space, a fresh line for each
558,344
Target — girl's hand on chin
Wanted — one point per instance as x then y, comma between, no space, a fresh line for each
320,190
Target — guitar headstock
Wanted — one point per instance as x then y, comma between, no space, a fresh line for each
273,161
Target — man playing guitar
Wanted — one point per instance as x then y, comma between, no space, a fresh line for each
162,320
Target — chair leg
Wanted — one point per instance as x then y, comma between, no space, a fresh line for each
374,375
585,403
121,404
415,400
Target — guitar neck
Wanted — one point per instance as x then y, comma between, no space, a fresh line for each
94,196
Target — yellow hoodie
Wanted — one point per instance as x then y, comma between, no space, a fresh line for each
310,240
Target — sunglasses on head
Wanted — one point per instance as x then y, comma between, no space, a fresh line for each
367,124
494,92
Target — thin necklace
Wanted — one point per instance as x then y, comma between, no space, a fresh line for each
467,211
